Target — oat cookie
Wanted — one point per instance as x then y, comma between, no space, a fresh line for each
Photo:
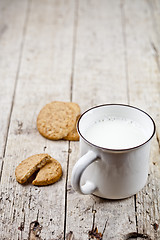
48,174
76,107
28,166
73,135
56,120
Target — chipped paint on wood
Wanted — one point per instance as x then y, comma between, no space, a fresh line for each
34,231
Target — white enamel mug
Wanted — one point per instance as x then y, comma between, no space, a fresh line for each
112,173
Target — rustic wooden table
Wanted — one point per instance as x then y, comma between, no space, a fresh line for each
90,52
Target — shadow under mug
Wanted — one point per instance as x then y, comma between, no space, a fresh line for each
112,173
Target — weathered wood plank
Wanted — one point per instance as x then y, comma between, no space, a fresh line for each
12,26
99,77
44,76
144,89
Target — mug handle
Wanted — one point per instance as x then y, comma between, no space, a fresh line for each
89,187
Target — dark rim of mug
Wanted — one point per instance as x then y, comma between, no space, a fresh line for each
110,149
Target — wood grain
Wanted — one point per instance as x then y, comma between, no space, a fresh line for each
9,65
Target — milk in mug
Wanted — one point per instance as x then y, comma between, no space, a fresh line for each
115,133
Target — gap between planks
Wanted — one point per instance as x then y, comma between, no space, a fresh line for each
124,37
74,47
71,97
123,22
